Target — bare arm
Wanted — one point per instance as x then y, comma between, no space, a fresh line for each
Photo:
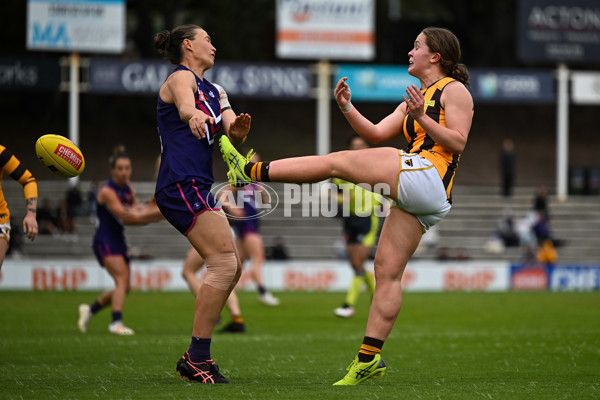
388,128
128,215
30,225
179,89
235,127
135,202
458,104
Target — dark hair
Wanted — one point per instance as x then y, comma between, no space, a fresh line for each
169,43
441,40
118,153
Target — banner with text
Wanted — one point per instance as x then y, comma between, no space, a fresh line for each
512,86
29,74
326,29
76,25
389,83
165,275
559,31
539,276
335,276
145,77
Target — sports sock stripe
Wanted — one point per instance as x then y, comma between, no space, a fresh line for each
258,167
370,350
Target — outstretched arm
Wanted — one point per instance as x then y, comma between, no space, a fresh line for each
235,127
128,215
387,128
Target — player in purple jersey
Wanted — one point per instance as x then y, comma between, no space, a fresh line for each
190,112
117,206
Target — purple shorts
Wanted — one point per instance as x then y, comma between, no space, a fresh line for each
110,248
180,203
245,226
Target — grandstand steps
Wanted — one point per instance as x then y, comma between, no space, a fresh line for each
470,224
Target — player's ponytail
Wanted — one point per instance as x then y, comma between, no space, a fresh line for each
461,74
161,41
168,43
118,153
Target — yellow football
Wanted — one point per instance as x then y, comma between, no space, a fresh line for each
60,155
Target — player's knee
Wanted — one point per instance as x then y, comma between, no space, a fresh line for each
388,271
185,274
222,270
122,281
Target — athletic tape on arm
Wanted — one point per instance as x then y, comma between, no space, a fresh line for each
223,100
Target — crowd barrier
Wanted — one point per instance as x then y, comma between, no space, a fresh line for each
426,276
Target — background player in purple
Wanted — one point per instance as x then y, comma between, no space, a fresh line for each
117,206
249,240
190,112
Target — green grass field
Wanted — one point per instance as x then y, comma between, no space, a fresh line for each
444,346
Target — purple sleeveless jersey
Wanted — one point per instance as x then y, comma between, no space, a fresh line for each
109,238
183,156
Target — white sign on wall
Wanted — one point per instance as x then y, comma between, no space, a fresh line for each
326,29
76,25
334,276
585,88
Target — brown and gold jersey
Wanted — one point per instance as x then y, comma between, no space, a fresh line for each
420,142
10,165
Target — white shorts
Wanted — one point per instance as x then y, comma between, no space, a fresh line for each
421,191
5,231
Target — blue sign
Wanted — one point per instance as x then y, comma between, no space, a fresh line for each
376,83
389,83
566,277
512,86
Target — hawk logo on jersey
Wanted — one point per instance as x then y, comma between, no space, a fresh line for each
430,103
408,162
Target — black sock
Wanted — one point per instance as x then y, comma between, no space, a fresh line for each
199,349
95,307
261,289
369,349
117,316
258,172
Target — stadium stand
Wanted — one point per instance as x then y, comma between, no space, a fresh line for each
469,226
